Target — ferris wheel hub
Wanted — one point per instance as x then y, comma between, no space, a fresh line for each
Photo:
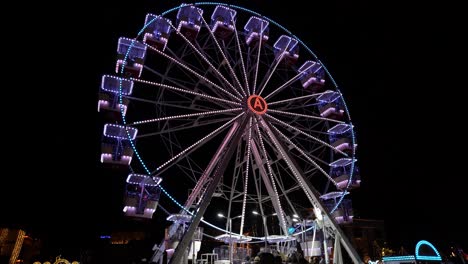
257,104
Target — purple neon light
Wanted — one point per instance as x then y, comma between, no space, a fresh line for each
136,50
287,45
342,146
331,110
224,12
104,104
220,23
254,24
108,158
342,162
343,181
332,195
312,80
191,13
112,84
136,67
179,218
328,97
222,17
119,131
340,129
310,66
187,24
158,24
138,178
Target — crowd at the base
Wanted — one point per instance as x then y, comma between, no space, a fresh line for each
278,258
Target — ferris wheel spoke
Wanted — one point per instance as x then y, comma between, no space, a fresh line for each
178,62
306,116
305,134
304,154
188,125
186,116
293,79
316,150
182,86
237,62
223,55
311,127
270,73
198,143
309,96
297,174
197,50
276,202
172,104
244,71
258,61
183,91
176,81
191,169
280,178
204,81
246,180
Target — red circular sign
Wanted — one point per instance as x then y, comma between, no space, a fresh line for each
257,104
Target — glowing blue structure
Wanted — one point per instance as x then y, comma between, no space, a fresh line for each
418,257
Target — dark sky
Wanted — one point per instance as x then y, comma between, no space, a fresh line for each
390,60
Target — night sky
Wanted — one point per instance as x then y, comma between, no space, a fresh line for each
390,60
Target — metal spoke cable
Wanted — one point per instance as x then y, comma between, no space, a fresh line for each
199,141
223,55
193,71
306,134
184,90
185,116
207,61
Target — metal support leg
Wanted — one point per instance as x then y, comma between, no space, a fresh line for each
313,195
222,156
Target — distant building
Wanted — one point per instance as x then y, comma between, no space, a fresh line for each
366,235
119,247
123,238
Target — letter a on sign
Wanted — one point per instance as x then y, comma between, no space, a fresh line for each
257,104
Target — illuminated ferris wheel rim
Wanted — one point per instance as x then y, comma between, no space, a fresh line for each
254,103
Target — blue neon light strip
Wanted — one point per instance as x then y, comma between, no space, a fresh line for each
398,258
401,258
419,257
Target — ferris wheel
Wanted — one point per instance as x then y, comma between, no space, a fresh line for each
217,108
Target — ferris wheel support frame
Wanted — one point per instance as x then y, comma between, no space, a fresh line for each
210,58
268,186
313,196
222,156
